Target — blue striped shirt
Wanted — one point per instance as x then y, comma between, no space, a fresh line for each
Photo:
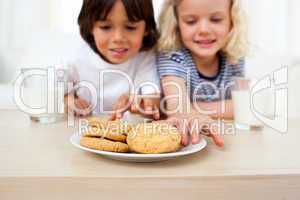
201,88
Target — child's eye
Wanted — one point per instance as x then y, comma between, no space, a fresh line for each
105,27
131,28
216,19
191,22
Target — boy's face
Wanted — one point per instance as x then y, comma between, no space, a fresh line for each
204,25
117,39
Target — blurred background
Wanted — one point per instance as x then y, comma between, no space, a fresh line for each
36,33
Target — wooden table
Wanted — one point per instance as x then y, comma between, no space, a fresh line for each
38,162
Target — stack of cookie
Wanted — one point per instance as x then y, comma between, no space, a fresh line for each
106,135
118,136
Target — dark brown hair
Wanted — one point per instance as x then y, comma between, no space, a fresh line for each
137,10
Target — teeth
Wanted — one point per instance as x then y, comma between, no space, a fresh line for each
206,42
119,50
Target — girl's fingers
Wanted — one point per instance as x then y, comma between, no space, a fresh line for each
182,127
204,125
218,139
196,138
214,134
195,130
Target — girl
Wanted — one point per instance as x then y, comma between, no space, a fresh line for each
202,46
119,36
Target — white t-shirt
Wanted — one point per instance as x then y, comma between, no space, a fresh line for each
109,81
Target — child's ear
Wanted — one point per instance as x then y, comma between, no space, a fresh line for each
92,31
146,33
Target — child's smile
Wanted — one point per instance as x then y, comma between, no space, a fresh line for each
206,43
119,52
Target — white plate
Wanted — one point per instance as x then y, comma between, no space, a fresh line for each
134,157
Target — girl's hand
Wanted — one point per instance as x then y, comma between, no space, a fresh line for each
143,104
194,125
78,106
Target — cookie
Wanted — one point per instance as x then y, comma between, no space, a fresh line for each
102,133
104,145
113,130
151,138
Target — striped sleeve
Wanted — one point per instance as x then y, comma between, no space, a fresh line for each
238,70
171,64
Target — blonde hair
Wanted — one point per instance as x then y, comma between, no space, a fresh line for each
236,47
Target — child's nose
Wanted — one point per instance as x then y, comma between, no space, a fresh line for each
118,36
203,27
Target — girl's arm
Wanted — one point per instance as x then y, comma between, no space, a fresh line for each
177,101
181,113
176,98
217,109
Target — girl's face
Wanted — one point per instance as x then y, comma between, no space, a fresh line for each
204,25
117,39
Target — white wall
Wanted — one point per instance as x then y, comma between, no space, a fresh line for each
63,15
20,21
268,25
294,91
294,28
4,5
4,33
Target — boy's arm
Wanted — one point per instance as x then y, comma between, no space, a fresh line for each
150,105
147,105
78,106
